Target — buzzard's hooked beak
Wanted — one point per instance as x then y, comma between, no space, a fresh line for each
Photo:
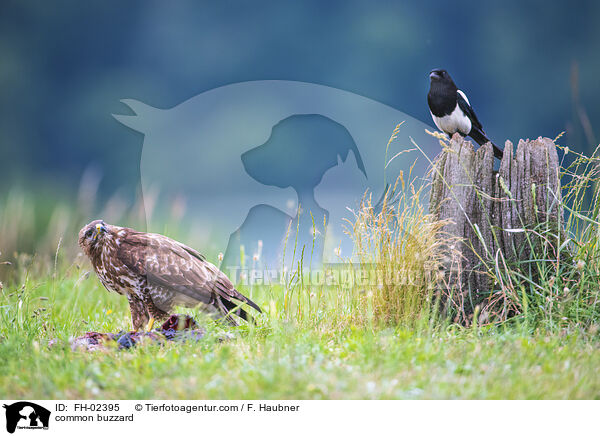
100,228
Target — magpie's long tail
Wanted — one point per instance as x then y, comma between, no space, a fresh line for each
481,139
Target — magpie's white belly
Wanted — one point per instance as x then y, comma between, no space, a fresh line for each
457,121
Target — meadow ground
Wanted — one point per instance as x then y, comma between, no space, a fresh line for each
286,356
535,336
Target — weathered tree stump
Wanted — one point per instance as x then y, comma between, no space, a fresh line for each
495,216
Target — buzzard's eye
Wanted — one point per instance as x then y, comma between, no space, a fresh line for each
89,233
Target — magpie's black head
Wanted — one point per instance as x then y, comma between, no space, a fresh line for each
440,81
438,74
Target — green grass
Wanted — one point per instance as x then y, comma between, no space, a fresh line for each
293,357
368,340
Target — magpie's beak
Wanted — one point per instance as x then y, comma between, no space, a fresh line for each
434,75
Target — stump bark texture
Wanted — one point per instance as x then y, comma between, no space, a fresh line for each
492,213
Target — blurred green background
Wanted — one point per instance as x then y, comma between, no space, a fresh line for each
530,69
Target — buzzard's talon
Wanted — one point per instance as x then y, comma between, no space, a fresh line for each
150,324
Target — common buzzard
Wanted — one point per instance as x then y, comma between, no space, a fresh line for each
156,273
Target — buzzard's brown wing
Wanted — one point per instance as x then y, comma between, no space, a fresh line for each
174,266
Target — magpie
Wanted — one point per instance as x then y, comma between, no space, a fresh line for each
451,110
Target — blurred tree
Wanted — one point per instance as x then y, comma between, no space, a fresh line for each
65,67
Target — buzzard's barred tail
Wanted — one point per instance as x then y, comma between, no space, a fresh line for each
231,307
252,304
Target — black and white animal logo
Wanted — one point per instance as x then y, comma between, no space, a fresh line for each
26,415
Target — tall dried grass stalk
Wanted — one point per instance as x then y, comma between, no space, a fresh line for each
400,250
